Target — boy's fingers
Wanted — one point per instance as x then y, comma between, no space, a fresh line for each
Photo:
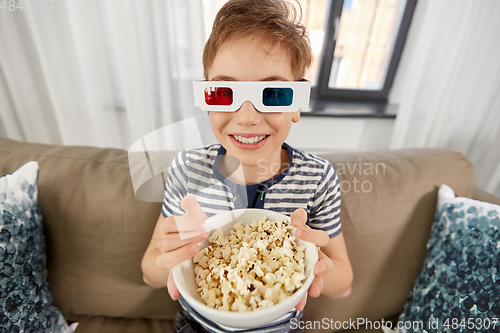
172,288
300,306
170,259
173,241
318,237
324,264
192,208
168,225
192,220
188,223
299,218
316,287
181,224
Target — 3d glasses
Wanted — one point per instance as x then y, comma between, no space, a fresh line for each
266,96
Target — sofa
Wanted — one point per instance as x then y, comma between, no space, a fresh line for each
96,231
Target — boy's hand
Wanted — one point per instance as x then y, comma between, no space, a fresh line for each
179,238
320,238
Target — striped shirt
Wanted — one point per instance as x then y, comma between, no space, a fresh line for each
308,182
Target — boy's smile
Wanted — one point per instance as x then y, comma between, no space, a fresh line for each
255,138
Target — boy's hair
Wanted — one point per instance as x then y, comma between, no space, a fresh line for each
276,21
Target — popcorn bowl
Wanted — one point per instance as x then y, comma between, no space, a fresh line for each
184,275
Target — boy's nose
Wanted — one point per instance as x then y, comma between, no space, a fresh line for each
247,114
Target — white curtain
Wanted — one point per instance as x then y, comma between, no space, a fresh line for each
99,72
450,84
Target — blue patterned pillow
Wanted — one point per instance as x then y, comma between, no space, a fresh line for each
25,298
458,288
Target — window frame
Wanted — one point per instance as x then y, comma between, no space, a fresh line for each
322,91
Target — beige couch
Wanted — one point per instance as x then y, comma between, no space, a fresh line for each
97,231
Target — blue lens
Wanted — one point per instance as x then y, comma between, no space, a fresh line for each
277,96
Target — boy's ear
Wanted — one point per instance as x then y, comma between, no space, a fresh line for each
296,116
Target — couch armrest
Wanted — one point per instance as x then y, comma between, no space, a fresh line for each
481,195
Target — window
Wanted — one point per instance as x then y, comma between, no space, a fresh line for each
356,48
357,45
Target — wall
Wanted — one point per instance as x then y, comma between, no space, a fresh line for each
322,134
342,134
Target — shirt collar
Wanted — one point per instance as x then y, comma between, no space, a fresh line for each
268,183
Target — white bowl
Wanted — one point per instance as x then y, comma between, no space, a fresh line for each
184,276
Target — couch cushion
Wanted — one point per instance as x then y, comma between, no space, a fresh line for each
25,298
386,223
96,230
459,284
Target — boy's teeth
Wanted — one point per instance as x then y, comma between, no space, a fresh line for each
253,140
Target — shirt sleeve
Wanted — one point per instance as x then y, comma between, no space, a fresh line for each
325,213
175,186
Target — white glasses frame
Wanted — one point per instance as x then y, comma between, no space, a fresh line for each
252,91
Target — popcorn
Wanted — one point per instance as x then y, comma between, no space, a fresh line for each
256,266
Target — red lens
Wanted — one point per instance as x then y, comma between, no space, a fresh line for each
218,96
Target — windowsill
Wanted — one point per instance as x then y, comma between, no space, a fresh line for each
357,109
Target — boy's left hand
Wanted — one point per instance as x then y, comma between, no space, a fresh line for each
320,238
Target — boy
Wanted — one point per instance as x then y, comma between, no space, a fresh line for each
251,41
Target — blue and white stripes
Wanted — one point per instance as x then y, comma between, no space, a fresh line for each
309,182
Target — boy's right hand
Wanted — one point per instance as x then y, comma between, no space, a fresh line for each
179,238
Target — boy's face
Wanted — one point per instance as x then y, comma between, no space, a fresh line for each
252,59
